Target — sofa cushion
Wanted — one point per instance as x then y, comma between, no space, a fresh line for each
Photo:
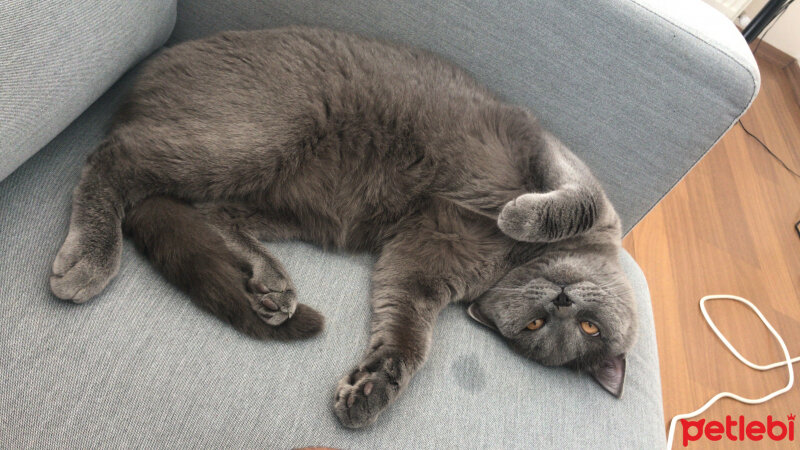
639,89
140,366
59,56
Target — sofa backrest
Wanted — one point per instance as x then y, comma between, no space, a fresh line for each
58,56
639,89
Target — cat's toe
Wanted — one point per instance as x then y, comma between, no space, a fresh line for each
358,406
80,275
274,307
524,218
361,396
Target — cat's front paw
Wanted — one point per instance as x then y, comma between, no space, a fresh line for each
528,218
363,394
83,268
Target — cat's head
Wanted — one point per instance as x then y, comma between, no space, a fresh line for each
571,305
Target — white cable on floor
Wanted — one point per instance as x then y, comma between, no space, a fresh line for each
787,362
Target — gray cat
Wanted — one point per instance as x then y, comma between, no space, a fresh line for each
355,144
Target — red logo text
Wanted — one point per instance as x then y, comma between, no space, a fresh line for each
738,430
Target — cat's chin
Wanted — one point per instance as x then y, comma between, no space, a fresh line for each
553,362
548,361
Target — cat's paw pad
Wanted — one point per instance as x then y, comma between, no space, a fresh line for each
80,272
273,306
363,394
528,218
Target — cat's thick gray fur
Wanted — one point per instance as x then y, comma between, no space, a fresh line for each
355,144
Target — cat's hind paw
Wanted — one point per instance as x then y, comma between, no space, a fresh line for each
273,306
306,322
276,305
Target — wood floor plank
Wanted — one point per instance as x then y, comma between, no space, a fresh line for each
728,227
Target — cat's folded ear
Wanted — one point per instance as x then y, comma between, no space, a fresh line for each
611,374
474,311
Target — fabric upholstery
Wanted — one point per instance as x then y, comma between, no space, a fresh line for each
140,366
639,89
59,56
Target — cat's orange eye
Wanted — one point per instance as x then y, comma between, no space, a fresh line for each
536,324
590,328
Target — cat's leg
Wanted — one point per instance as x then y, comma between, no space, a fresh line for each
90,254
222,266
569,199
414,278
274,295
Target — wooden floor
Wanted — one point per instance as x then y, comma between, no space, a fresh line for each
728,227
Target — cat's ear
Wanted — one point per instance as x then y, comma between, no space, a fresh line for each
474,311
611,374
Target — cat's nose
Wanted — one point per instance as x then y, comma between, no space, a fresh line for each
562,300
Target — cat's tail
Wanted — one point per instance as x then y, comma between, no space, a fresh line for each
200,258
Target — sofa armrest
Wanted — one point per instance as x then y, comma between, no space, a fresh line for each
640,89
57,57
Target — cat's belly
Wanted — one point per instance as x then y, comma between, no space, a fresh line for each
335,145
355,210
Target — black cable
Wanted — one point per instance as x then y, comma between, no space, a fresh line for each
797,225
755,50
768,150
774,21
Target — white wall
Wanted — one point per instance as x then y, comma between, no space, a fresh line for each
785,35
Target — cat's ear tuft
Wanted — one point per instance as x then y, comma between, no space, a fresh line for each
611,374
474,311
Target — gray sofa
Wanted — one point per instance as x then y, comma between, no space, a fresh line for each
640,89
